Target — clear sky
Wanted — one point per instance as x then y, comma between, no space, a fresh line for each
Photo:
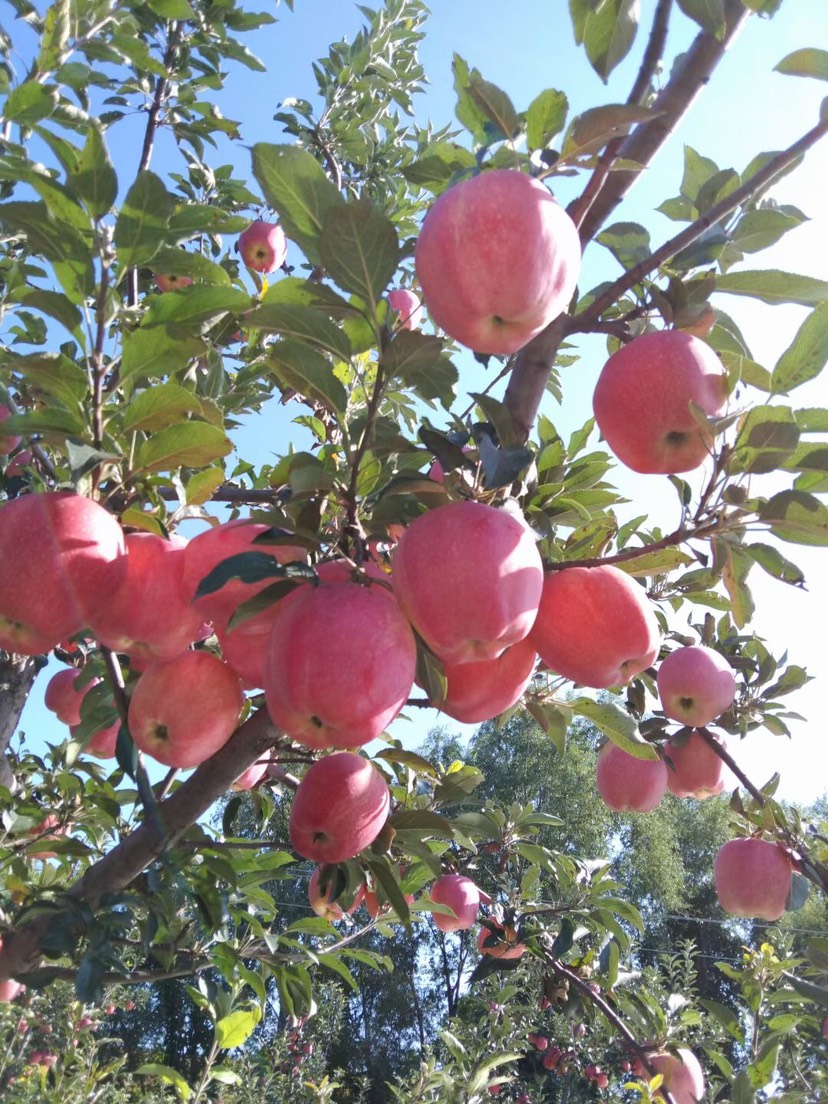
526,46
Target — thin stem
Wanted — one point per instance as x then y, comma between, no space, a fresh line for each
730,762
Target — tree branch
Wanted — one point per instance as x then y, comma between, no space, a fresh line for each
17,675
530,375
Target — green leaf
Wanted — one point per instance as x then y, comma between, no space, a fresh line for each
656,563
772,286
296,187
467,111
94,178
770,559
172,261
496,108
726,1017
709,14
224,1075
302,323
616,724
196,307
172,9
418,360
796,517
234,1030
55,374
359,248
441,162
58,240
807,354
56,305
306,370
188,445
156,352
160,406
808,62
735,570
141,227
767,436
628,242
761,228
169,1075
30,102
589,132
386,879
545,117
606,29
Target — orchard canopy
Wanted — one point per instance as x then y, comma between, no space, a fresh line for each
326,416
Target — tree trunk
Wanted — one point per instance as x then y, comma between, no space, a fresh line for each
17,675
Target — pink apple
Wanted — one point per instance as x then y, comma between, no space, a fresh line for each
263,246
321,886
339,808
696,770
244,648
506,946
149,617
628,784
206,551
60,553
480,691
461,895
595,626
51,825
497,260
254,774
183,710
103,742
753,878
683,1076
696,685
376,907
469,579
64,698
340,664
18,463
8,442
171,282
642,401
408,307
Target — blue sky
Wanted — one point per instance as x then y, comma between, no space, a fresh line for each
527,46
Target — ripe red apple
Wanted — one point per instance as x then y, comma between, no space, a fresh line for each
628,784
149,617
469,579
460,894
551,1058
320,899
55,829
374,906
408,307
171,282
60,553
497,260
753,878
696,685
63,697
244,648
263,246
8,442
601,1080
642,401
339,808
683,1076
209,549
18,463
596,626
507,947
696,770
103,742
252,776
340,664
183,710
479,691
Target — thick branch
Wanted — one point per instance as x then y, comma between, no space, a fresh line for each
587,318
17,675
530,375
20,951
690,76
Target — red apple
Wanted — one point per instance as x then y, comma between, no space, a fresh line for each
628,784
642,401
339,808
340,664
60,553
244,648
696,770
551,1058
408,307
497,260
506,947
375,907
183,710
63,697
461,895
469,579
683,1076
263,246
19,462
696,685
8,442
479,691
149,617
753,878
595,626
171,282
52,825
209,549
601,1080
250,778
103,743
320,898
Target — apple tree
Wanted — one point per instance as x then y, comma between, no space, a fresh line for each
406,535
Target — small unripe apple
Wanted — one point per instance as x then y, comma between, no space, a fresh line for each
753,878
408,307
339,808
504,941
469,578
696,685
183,710
683,1076
628,784
643,396
263,246
595,626
171,282
460,894
497,260
696,769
